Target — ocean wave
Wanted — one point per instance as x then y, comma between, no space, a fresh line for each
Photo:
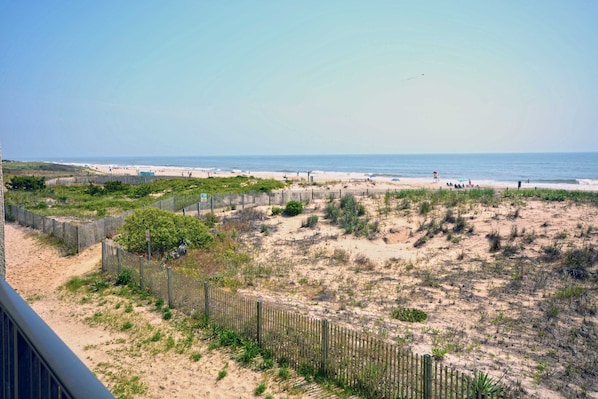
558,181
588,182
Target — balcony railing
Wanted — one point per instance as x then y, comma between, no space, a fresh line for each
34,362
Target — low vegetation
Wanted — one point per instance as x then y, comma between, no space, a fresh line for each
167,231
93,201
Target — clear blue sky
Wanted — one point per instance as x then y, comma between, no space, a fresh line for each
142,77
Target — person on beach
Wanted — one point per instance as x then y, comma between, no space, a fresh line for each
435,174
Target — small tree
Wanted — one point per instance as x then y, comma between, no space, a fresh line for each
167,230
293,208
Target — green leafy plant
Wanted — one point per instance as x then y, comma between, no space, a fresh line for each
276,210
127,325
410,314
293,208
284,373
26,183
167,231
221,375
260,389
439,353
166,314
125,277
482,386
310,222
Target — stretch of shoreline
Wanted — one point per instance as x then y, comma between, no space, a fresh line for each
328,177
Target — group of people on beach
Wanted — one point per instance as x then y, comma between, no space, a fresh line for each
436,179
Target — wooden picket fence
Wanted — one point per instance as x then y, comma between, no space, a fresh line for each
367,365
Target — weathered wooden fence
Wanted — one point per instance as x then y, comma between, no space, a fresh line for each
81,236
371,366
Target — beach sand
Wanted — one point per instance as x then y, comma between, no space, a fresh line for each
335,179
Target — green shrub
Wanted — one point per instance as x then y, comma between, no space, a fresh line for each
26,183
293,208
260,389
251,351
92,189
166,314
276,210
284,373
127,325
264,229
332,212
156,337
115,186
221,375
167,231
141,190
210,219
124,277
481,386
425,207
409,314
310,222
74,284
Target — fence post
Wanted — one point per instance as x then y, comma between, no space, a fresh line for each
103,256
242,201
206,294
170,292
260,315
427,377
78,240
325,346
141,279
212,203
118,257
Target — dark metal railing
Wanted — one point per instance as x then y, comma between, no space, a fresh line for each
34,361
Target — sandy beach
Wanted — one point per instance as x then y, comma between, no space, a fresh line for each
336,178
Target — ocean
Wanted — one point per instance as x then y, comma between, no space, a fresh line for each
540,168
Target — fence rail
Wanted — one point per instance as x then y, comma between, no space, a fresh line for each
34,362
366,364
81,236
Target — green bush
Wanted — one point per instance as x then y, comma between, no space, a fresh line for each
115,186
310,222
293,208
260,389
409,314
425,208
211,219
332,212
276,210
26,183
92,189
124,277
167,231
